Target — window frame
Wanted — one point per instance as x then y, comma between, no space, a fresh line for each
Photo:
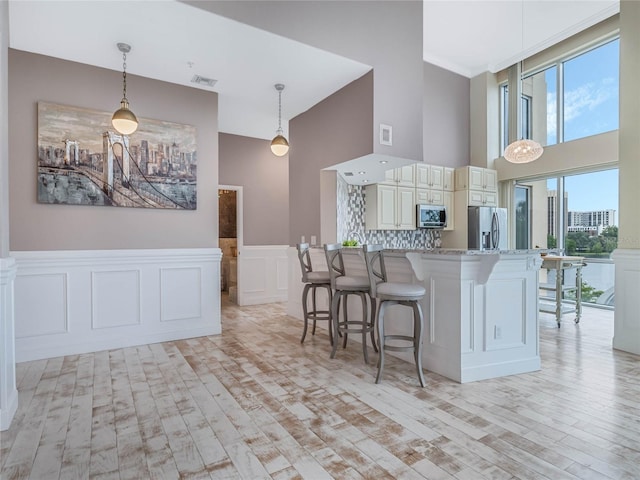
559,64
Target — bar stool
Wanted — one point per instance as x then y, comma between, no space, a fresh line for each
390,293
344,285
313,280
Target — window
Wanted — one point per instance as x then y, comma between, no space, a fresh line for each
578,215
527,116
574,98
523,217
591,92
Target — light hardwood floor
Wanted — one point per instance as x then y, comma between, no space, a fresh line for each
254,403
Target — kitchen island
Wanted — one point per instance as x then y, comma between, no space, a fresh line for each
480,310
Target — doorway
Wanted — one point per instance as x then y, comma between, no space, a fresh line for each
230,239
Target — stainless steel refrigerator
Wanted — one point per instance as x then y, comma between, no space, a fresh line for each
487,228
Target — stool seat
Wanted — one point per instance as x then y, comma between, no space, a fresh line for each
318,277
400,291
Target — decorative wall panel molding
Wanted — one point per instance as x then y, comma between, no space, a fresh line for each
49,314
263,274
180,293
113,298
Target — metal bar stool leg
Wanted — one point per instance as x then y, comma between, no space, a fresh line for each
335,312
418,322
380,325
305,311
373,323
330,322
315,309
365,323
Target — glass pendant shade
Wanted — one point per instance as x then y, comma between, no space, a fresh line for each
279,146
523,151
123,120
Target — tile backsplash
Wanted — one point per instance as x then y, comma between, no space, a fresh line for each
351,213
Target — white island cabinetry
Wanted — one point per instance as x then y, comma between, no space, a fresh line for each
481,317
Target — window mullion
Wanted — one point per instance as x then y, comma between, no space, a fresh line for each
560,103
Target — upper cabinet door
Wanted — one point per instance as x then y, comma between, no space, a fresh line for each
422,175
406,176
429,176
449,176
436,177
490,180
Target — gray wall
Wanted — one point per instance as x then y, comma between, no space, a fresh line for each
384,34
331,132
34,226
248,162
446,117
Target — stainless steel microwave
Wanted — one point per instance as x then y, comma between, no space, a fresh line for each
431,216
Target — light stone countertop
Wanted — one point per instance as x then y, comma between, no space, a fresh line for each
459,251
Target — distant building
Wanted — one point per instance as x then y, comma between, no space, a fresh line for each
591,222
552,212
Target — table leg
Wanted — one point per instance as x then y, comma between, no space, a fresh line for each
578,293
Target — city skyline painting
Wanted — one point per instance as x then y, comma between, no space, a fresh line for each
82,160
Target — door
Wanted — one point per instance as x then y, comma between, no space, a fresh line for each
239,243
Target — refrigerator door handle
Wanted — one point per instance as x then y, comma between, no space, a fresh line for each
495,231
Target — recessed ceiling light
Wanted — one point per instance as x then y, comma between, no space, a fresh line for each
365,181
361,173
383,162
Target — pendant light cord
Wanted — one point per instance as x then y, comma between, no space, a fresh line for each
279,112
124,75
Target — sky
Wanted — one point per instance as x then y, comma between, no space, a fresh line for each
591,83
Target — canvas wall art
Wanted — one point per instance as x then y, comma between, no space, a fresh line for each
82,160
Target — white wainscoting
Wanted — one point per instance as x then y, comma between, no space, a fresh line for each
263,274
626,331
71,302
8,389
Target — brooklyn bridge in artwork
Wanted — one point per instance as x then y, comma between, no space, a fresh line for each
82,160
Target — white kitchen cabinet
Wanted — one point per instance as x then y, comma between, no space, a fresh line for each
449,205
482,199
390,208
448,182
425,196
401,177
429,176
476,178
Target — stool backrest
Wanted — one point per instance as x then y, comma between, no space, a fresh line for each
333,252
374,259
305,260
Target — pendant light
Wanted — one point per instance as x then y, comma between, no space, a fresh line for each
524,150
123,120
279,144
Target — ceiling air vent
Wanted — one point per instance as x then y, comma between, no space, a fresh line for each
348,174
209,82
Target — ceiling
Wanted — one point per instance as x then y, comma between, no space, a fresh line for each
470,37
172,41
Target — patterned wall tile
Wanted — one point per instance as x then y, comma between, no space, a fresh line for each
351,207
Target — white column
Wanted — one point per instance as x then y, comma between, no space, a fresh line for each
8,392
627,257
